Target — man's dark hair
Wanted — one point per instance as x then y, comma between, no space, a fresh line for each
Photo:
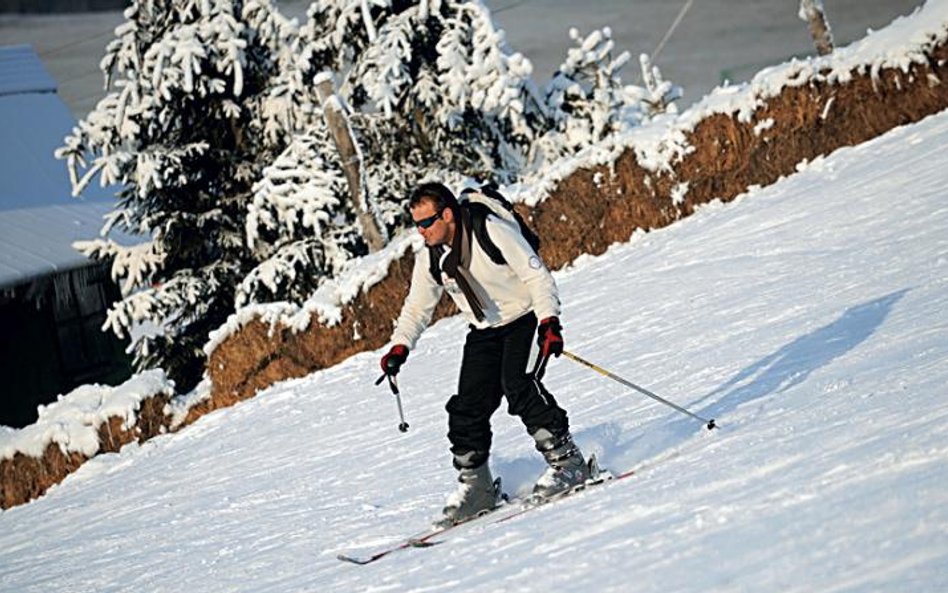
437,193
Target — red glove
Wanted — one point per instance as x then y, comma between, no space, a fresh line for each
392,362
549,337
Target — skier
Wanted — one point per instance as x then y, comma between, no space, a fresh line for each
502,302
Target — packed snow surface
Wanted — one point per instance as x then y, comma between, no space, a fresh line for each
810,318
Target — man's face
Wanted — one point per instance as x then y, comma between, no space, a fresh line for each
436,227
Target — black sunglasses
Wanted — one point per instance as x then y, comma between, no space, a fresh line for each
425,223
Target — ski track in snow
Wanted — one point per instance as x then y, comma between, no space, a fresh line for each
810,318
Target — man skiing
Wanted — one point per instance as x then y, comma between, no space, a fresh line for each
506,350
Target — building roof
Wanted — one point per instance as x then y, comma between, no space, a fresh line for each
39,218
22,72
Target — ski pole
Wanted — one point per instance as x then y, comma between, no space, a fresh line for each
708,423
402,425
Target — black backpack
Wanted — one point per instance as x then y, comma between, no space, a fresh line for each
481,203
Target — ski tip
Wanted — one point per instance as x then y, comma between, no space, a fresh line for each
352,560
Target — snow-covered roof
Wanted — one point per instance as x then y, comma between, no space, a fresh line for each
39,219
22,72
38,241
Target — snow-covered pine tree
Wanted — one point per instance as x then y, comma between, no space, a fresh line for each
203,94
432,89
301,226
587,100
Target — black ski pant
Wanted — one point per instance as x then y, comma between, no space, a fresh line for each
495,365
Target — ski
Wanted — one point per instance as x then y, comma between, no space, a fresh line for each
499,514
532,503
424,539
370,559
511,509
507,509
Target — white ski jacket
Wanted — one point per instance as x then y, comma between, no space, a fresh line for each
508,291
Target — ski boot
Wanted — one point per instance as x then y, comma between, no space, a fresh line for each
567,467
477,493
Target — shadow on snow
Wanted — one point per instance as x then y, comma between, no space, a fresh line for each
792,364
776,373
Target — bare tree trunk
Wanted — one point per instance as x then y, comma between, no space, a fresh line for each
812,12
351,163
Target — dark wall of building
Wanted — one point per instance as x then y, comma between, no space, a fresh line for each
52,341
42,6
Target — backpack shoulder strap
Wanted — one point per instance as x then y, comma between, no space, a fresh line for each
434,262
490,190
479,213
500,206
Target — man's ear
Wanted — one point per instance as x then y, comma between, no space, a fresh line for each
448,215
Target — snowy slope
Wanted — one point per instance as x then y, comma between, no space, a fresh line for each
810,318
